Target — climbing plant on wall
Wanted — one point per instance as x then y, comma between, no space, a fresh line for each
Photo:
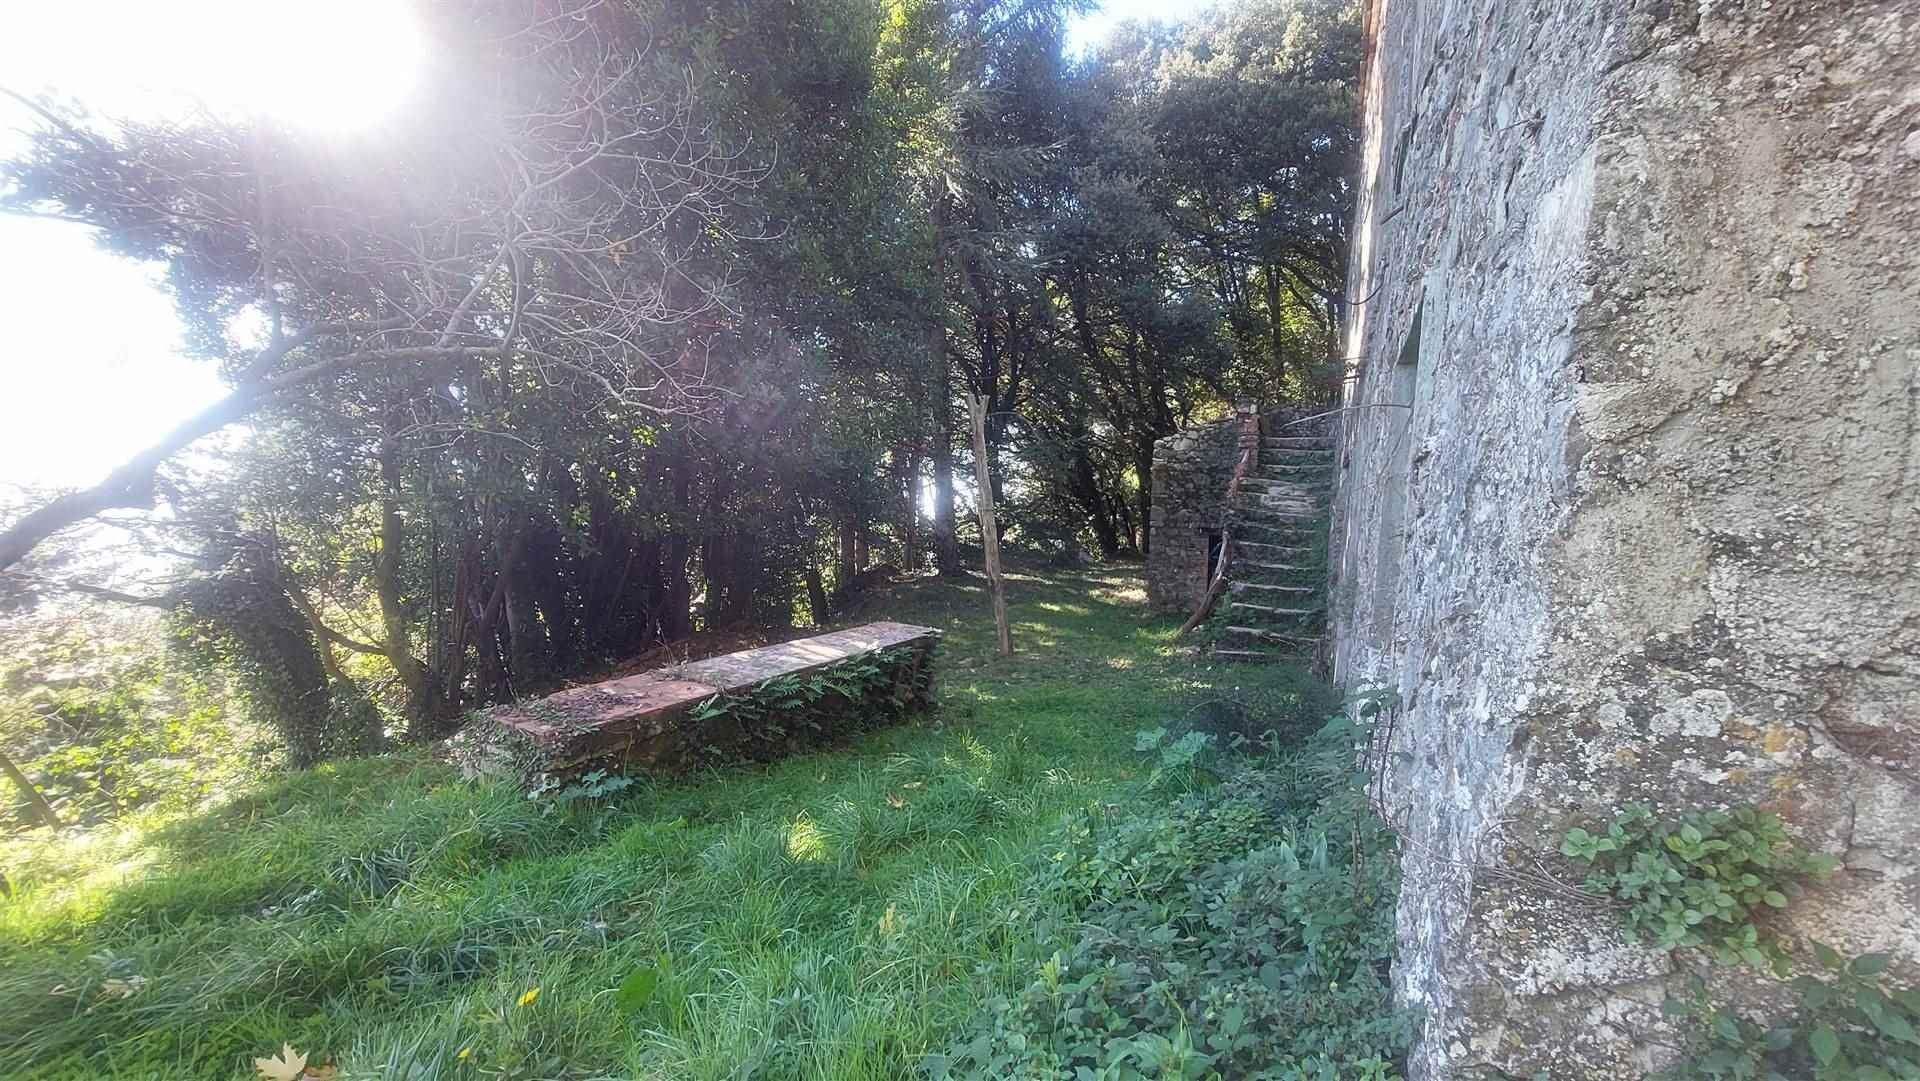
1707,880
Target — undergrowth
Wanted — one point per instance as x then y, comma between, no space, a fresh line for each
1244,931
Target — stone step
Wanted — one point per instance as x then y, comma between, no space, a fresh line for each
1283,452
1264,498
1285,484
1274,547
1266,635
1310,441
1242,586
1281,495
1240,654
1277,566
1246,570
1299,540
1270,518
1273,610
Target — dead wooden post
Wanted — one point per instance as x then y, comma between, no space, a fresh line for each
989,532
37,804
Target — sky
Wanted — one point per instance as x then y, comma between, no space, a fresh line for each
90,369
1093,27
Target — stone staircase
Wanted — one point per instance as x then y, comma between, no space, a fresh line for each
1276,600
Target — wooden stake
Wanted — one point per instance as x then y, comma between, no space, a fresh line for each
989,532
37,804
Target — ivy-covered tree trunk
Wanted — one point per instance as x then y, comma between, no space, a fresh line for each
241,615
424,703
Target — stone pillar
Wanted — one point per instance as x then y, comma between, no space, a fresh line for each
1190,475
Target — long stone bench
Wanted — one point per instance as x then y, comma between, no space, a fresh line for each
757,704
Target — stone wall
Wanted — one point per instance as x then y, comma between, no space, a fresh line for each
1630,501
704,713
1190,474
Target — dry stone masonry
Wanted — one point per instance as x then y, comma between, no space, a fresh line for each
671,718
1269,524
1276,576
1629,492
1191,470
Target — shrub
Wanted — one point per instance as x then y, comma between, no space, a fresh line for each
1243,931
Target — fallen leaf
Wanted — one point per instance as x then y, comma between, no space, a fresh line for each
895,801
321,1073
286,1066
527,998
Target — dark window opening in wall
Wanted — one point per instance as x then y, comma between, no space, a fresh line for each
1216,548
1395,479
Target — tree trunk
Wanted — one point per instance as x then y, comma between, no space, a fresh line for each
341,687
423,703
526,639
676,617
1086,486
989,531
910,521
849,551
716,551
817,596
1134,540
1273,320
946,543
1143,465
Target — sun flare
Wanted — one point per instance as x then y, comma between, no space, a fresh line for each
334,66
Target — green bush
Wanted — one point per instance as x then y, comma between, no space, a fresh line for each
1244,931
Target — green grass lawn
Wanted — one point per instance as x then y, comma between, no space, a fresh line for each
833,916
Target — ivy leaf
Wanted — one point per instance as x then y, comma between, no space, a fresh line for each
288,1065
1871,964
1896,1026
1825,1044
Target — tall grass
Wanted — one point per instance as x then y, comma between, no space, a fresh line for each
833,916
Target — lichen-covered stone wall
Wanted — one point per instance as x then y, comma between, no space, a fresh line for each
1630,495
1190,474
